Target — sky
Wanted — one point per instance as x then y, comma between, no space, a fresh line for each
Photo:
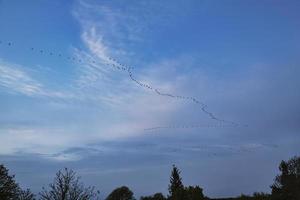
121,90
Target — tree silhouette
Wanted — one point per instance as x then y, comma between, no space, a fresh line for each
287,185
261,196
66,186
194,193
26,195
176,188
121,193
156,196
9,189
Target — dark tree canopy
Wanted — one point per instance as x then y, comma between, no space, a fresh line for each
26,195
176,188
66,186
261,196
121,193
9,189
194,193
255,196
175,181
287,184
177,191
156,196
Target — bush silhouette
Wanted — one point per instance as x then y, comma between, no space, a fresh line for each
156,196
194,193
121,193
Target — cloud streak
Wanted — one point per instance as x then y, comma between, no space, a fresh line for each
95,44
18,81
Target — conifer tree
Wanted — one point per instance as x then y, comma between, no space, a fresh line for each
176,188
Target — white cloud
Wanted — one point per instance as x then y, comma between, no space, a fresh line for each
95,43
34,140
129,108
19,81
126,107
133,107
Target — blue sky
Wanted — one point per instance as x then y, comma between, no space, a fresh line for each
65,103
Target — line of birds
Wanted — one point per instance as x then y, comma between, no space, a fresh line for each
112,62
189,126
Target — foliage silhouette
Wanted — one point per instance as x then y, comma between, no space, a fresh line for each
26,195
255,196
156,196
9,189
287,185
176,188
121,193
177,191
66,186
261,196
194,193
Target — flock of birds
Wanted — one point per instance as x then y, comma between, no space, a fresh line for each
111,62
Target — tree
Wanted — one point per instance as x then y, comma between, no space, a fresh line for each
26,195
9,189
156,196
176,188
244,197
66,186
287,185
194,193
261,196
121,193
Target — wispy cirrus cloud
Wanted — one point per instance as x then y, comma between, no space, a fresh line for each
16,80
189,48
33,140
128,107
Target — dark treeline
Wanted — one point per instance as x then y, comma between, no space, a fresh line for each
67,186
